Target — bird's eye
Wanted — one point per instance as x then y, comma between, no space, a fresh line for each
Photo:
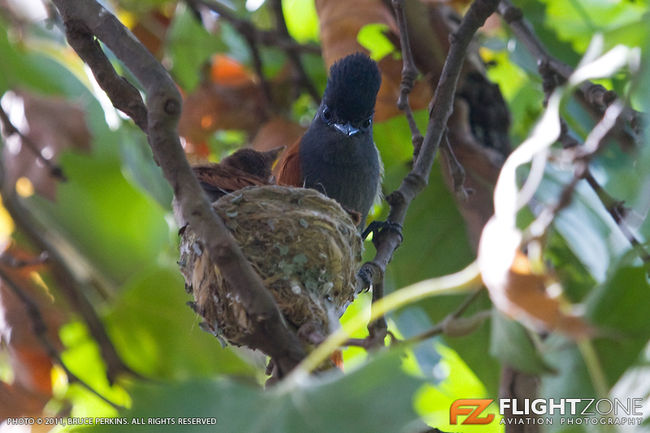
327,114
366,123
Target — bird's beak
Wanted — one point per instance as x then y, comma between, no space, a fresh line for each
346,128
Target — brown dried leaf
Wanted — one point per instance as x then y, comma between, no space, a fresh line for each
17,401
230,99
529,297
340,23
51,125
212,107
275,133
151,30
29,360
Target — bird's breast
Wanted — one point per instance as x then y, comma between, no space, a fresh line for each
345,169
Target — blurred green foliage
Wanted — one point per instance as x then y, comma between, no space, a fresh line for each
374,398
115,211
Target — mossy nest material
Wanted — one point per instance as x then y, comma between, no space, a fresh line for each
303,245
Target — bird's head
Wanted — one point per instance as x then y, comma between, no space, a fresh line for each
349,100
253,162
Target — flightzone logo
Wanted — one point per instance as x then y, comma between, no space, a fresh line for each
565,411
471,408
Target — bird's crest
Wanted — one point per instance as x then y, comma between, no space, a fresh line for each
352,87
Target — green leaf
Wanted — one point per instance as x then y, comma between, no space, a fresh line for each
511,344
235,44
585,225
433,402
141,169
190,46
620,309
116,227
577,21
547,29
159,335
25,68
82,356
375,398
576,279
573,378
373,38
301,19
632,34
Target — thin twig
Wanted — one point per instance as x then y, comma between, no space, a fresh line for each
594,96
7,259
279,38
617,211
40,330
614,207
246,28
456,170
387,241
444,323
582,156
270,332
10,129
258,65
69,285
409,74
72,289
292,53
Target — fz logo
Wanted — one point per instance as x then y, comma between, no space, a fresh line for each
473,408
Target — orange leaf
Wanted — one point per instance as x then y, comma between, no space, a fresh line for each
227,71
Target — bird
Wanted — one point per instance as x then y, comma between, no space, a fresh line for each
245,167
337,155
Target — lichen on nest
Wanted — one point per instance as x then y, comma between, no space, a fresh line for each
302,244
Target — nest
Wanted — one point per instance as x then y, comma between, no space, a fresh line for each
302,244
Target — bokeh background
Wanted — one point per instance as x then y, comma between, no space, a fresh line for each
108,287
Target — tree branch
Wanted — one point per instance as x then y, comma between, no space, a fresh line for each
258,64
272,334
10,129
441,107
71,288
40,330
264,37
124,96
449,325
292,53
594,96
7,259
582,157
279,38
409,74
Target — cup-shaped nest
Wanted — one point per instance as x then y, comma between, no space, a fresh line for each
302,244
